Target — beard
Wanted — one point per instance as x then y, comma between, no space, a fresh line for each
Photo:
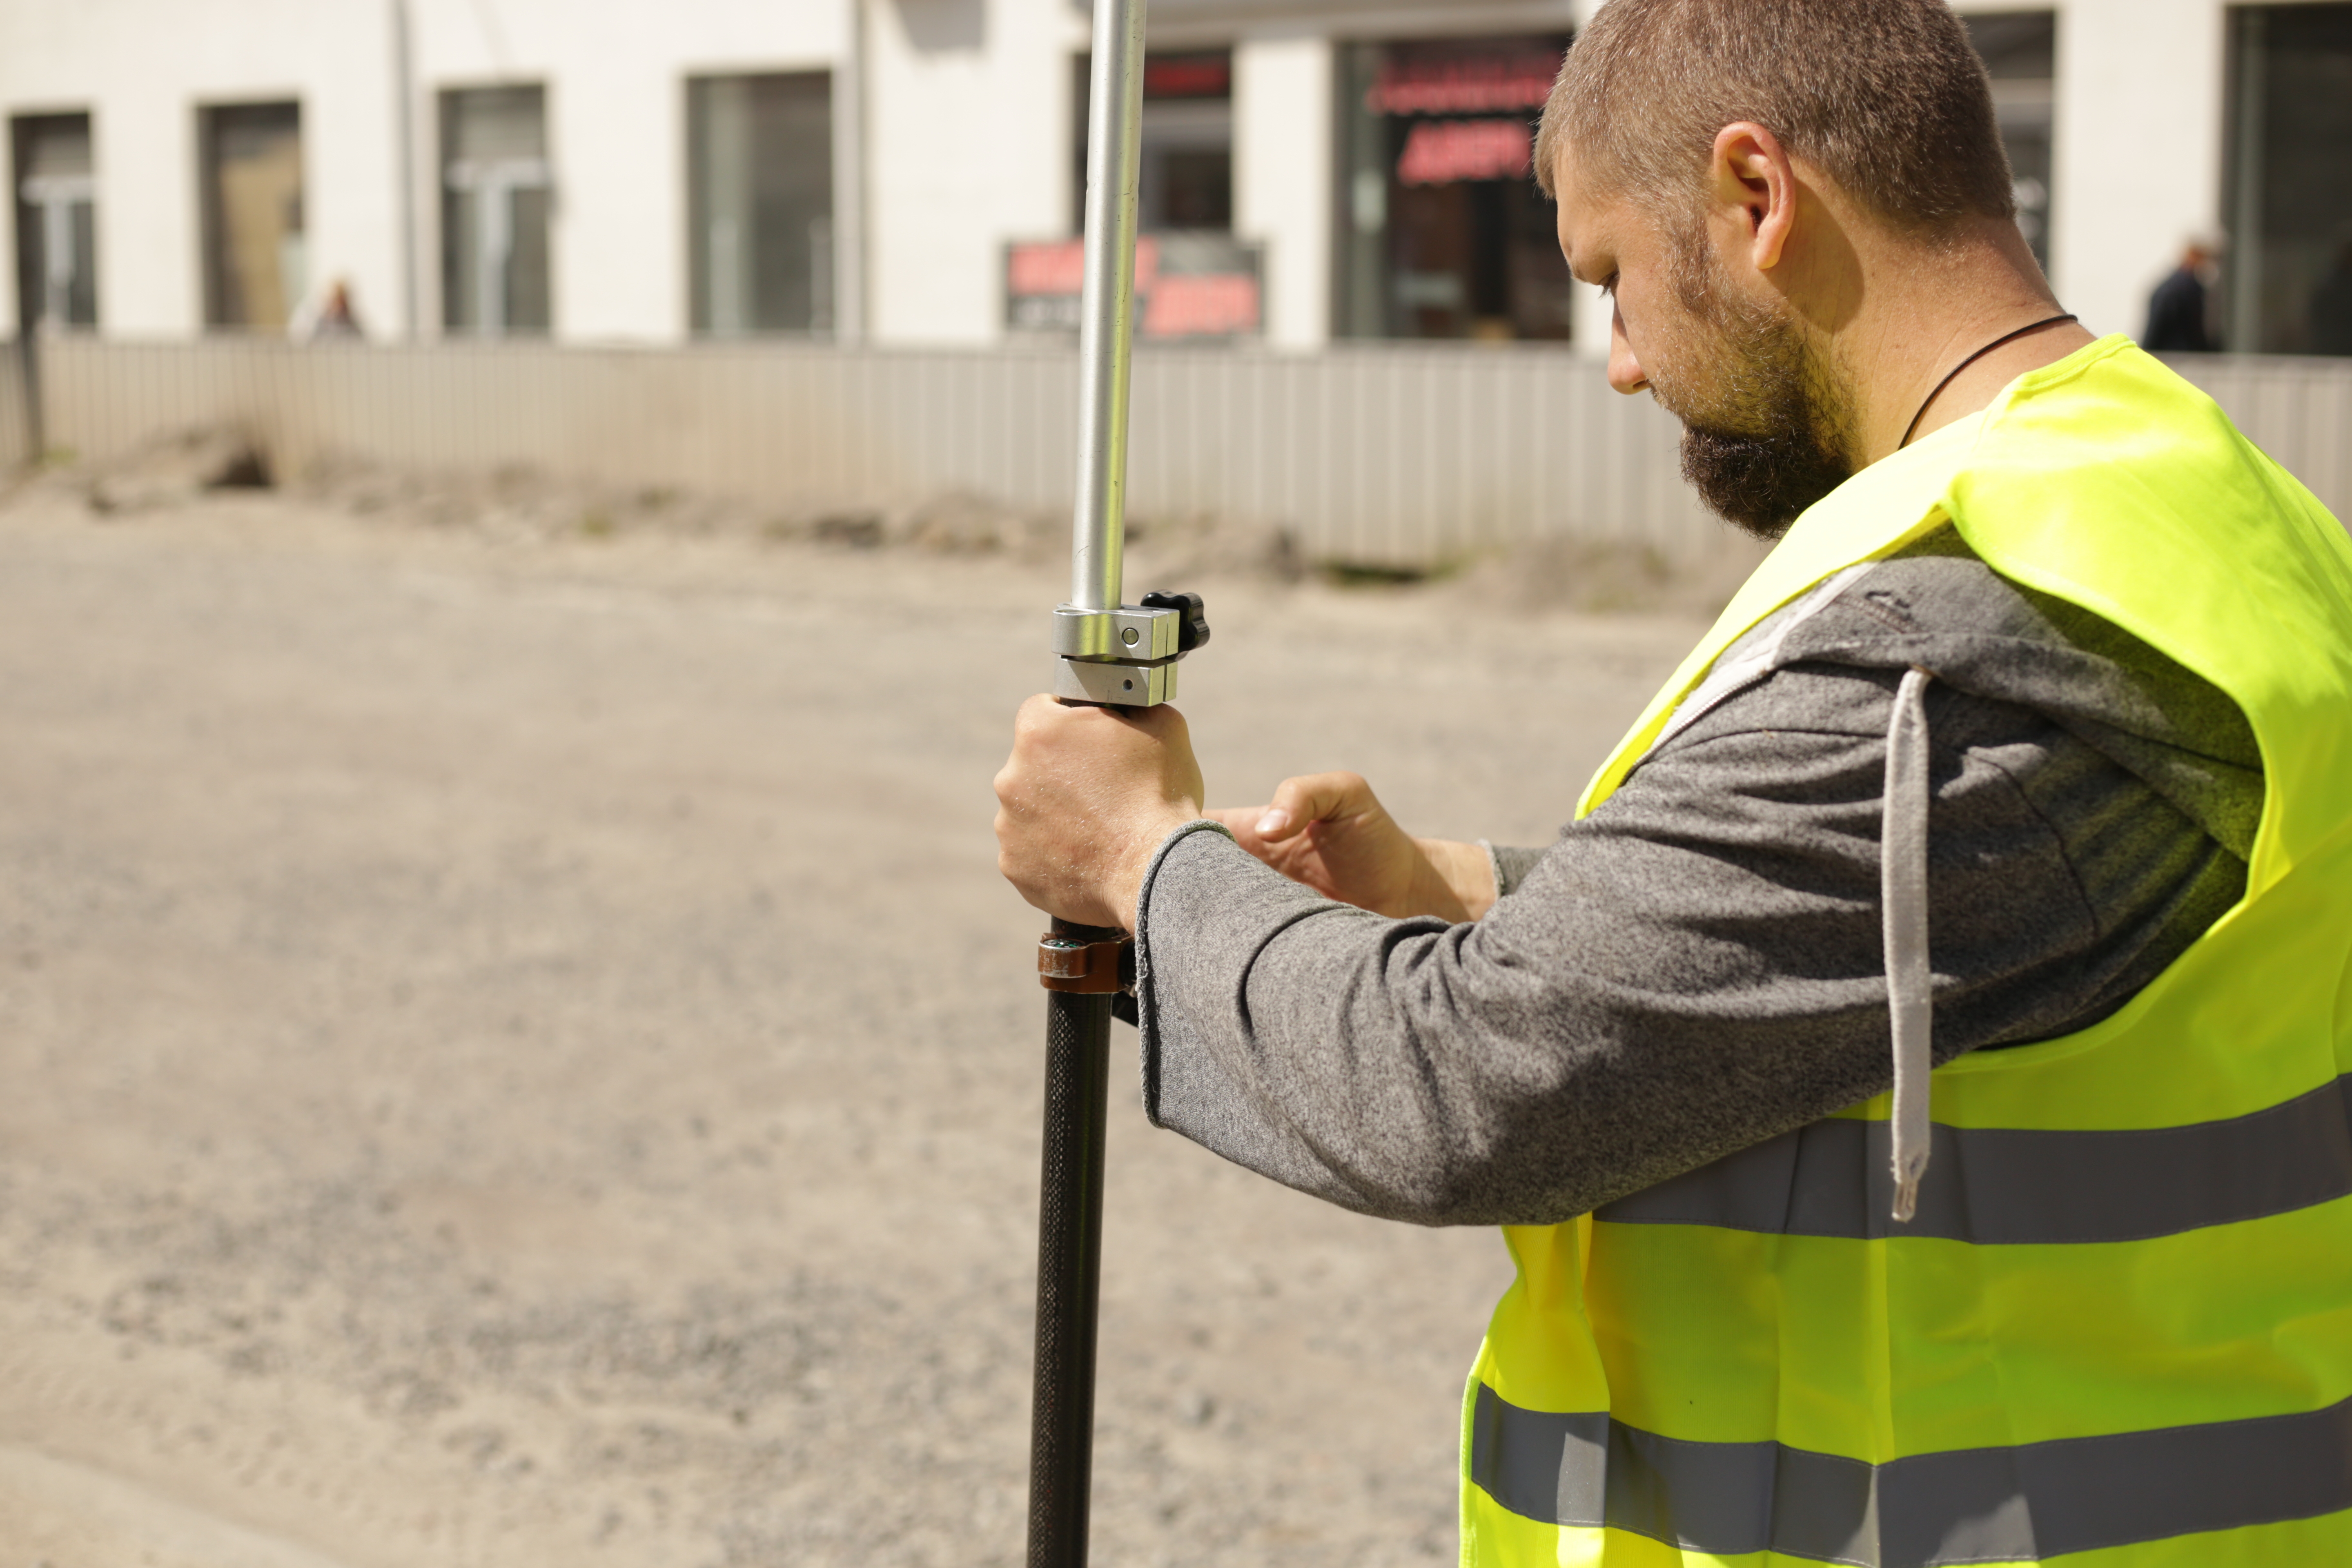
1764,419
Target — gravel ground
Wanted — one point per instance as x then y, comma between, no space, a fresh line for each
517,1054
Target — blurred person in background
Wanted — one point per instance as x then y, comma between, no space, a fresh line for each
329,316
2179,312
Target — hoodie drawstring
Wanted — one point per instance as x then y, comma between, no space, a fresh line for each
1903,898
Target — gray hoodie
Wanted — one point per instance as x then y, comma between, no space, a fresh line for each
1698,965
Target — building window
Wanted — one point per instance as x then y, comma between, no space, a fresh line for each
2290,262
1185,162
57,221
256,270
1442,231
2020,49
496,198
759,209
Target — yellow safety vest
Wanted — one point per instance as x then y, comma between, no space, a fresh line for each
2118,1330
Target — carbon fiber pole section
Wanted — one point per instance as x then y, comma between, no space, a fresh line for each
1069,1270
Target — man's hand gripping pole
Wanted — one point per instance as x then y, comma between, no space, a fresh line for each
1115,655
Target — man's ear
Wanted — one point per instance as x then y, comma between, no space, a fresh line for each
1751,183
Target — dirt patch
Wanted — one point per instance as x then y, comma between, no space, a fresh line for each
173,470
1602,577
520,504
518,1054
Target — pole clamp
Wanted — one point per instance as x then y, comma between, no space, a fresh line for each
1126,658
1088,968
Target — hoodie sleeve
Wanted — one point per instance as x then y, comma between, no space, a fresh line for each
1695,968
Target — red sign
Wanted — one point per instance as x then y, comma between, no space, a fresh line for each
1440,151
1202,305
1187,285
1055,267
1208,75
1463,85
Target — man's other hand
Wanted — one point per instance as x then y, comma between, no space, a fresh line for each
1329,832
1086,799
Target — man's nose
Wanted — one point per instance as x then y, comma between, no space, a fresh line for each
1624,370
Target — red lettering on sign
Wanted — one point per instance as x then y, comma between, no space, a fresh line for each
1463,86
1059,266
1188,76
1440,151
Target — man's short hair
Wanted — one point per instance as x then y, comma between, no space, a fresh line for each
1887,97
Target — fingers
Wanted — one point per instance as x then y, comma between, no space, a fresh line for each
1313,797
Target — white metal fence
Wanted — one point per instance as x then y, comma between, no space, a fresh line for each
1403,456
15,427
2298,410
1399,455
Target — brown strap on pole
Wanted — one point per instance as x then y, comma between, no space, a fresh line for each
1088,968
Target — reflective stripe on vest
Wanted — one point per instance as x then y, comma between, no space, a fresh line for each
2002,1186
1974,1505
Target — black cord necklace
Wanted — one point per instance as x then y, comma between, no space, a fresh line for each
2004,338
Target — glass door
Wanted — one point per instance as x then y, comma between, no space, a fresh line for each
496,201
760,208
256,264
57,222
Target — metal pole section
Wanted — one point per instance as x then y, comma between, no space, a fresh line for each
403,130
1107,320
849,184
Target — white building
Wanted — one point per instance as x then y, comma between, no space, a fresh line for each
657,170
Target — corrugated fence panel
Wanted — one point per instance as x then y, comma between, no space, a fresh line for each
15,427
1399,454
2297,410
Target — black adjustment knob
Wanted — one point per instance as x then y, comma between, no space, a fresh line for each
1192,618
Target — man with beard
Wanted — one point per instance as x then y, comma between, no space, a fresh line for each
2026,757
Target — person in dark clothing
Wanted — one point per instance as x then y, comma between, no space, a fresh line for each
2331,308
2176,319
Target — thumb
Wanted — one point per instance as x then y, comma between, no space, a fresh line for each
1313,797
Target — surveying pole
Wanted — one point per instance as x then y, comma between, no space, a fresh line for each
1114,655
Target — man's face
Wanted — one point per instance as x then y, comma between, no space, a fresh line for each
1764,419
